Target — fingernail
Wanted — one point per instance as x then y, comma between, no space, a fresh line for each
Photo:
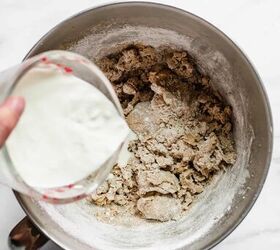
15,103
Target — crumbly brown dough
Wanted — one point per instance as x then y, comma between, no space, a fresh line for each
184,133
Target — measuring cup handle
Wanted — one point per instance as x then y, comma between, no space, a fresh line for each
26,236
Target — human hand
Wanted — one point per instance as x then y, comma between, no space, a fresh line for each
10,112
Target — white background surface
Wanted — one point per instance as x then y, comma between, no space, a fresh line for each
253,24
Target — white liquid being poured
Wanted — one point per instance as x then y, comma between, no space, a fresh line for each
68,129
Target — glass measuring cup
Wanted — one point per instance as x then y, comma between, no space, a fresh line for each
84,69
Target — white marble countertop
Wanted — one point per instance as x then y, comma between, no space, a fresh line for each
253,24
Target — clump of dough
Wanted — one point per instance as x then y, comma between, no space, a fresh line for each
159,208
184,133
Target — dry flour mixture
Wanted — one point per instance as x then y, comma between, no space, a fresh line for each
184,134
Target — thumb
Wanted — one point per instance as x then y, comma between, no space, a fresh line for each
10,112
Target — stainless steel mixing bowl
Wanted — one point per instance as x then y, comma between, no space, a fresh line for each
226,202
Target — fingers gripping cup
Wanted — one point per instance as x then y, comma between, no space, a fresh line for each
71,132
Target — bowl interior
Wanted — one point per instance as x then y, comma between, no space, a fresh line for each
222,206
